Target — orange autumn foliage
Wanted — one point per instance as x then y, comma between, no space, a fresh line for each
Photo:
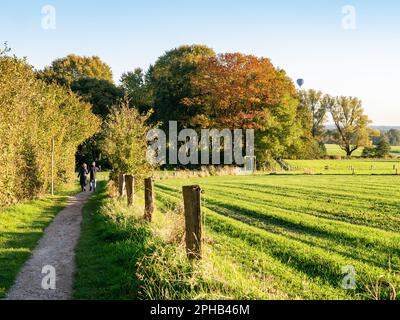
236,91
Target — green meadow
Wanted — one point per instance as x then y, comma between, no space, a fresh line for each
266,237
346,167
335,150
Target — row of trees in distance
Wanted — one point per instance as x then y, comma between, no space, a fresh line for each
200,89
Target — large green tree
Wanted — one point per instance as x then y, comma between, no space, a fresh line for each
243,91
170,81
350,121
102,94
91,79
138,90
312,101
72,68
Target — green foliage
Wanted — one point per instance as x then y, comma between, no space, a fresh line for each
91,79
101,94
65,71
312,101
170,80
282,134
351,123
125,141
383,148
138,90
368,152
32,113
393,135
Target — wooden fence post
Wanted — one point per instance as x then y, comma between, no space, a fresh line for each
193,221
148,199
121,185
130,189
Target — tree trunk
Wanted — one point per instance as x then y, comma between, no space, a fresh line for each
121,185
193,221
130,189
149,199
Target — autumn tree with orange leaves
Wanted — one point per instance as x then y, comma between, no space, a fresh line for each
243,91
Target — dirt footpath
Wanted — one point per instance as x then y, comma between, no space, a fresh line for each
56,249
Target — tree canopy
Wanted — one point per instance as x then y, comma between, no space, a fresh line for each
32,113
170,81
125,141
350,121
65,71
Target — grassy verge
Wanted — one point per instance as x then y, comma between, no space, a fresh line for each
121,257
106,253
21,227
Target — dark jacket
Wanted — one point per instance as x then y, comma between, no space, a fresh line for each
83,175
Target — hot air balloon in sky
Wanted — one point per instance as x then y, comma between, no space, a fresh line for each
300,82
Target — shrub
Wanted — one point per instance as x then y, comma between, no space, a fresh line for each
31,114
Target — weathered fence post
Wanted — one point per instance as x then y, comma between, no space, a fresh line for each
193,221
130,189
148,199
121,185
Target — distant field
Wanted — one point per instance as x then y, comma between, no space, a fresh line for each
288,236
361,166
335,150
396,150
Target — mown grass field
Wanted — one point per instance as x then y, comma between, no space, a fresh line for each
360,166
335,150
21,227
288,237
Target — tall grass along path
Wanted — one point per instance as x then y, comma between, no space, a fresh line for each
55,249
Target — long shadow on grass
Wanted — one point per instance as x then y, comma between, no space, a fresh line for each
324,267
321,268
267,203
265,222
296,193
384,223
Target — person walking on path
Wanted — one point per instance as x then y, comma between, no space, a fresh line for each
93,172
83,173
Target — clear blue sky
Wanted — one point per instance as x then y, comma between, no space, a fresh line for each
305,38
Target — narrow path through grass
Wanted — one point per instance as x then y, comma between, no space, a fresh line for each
21,227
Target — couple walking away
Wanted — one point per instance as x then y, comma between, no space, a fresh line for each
84,172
